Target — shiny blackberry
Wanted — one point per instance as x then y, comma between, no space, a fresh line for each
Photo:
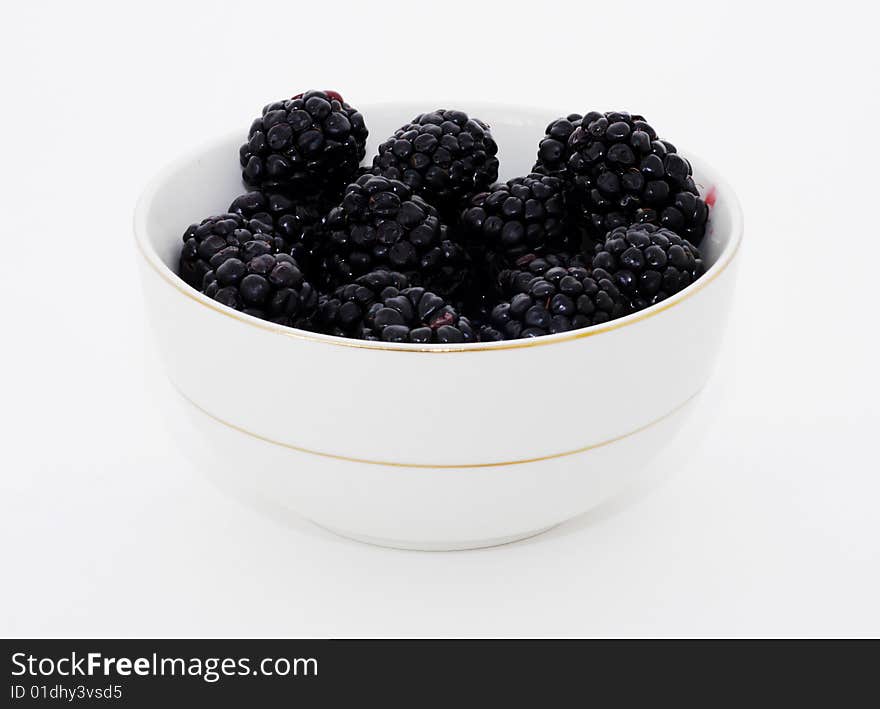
620,173
296,221
484,289
444,156
647,263
525,215
219,236
381,223
416,315
559,300
342,313
478,306
309,144
537,265
267,286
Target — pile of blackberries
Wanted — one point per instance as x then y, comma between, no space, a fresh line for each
424,246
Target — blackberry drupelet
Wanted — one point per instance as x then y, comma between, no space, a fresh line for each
444,156
219,236
525,215
308,145
381,223
416,315
268,286
539,264
647,263
619,173
342,313
296,222
559,300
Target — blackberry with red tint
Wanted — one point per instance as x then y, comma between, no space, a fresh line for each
296,221
219,236
418,316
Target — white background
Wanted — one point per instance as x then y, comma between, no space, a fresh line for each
772,528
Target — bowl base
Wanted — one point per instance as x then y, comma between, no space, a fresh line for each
406,545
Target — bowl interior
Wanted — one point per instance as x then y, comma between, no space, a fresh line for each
206,181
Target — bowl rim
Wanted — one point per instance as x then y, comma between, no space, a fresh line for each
152,259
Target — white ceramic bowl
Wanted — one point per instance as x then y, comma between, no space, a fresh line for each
428,446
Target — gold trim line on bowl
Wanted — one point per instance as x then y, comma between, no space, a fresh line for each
716,270
367,461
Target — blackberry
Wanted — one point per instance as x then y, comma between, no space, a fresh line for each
416,315
485,289
648,263
559,300
296,222
537,265
219,236
525,215
443,156
619,173
498,289
381,223
342,313
267,286
309,144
